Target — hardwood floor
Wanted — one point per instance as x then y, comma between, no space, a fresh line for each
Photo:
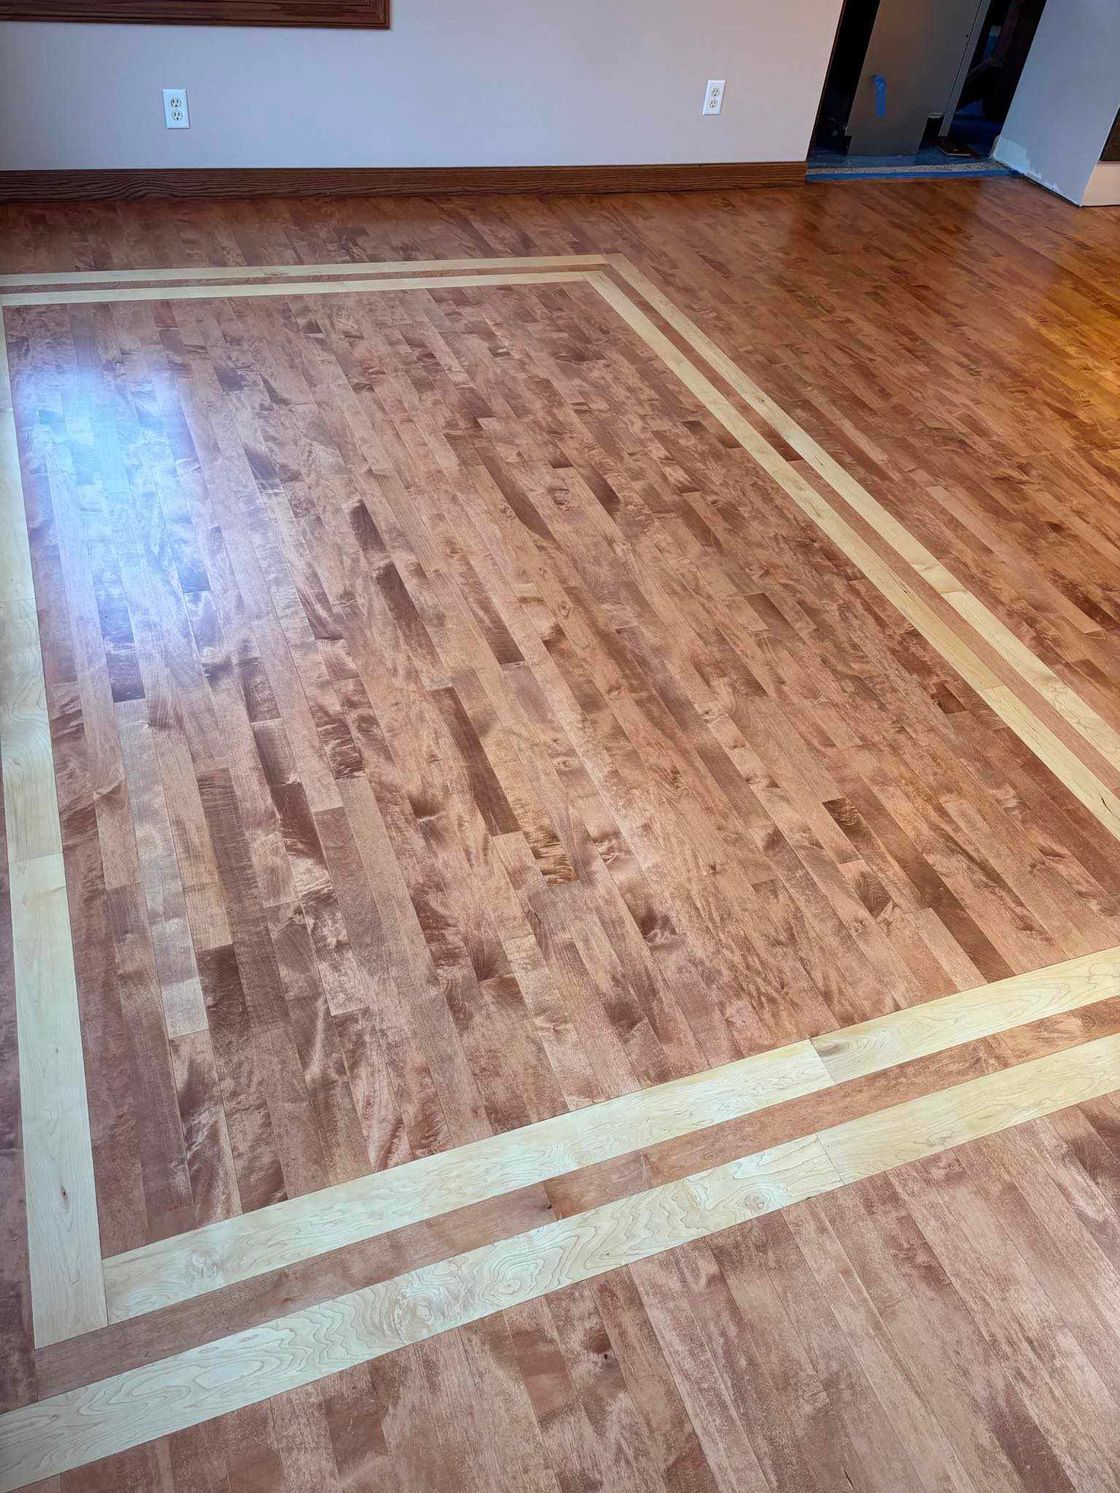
494,744
951,1325
480,696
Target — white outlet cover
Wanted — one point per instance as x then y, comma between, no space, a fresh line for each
176,114
713,95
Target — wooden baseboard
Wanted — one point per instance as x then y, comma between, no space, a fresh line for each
343,181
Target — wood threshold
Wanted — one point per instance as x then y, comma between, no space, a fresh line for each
350,181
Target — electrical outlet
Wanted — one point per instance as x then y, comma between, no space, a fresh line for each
713,95
176,115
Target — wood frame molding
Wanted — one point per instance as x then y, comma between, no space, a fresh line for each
365,15
383,181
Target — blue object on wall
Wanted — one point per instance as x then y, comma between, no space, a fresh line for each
879,83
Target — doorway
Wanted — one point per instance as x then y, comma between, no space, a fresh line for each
921,86
986,86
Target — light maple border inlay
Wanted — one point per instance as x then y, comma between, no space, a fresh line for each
234,1249
1091,726
308,271
74,1290
67,1287
111,1415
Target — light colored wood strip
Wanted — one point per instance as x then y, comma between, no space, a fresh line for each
246,1367
188,1265
67,1294
1073,709
307,271
287,287
1092,727
1074,774
923,1127
97,1420
30,804
968,1016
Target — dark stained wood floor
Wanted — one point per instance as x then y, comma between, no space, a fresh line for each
422,708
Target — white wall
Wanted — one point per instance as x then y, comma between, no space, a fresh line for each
1067,97
454,82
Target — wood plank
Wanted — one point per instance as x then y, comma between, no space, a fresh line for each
287,288
184,1266
63,1240
30,804
67,1294
924,1127
301,271
933,1026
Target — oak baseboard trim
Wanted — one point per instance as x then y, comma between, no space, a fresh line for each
347,181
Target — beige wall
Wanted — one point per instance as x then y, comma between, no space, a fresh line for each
454,82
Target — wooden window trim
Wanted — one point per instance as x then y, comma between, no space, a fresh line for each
367,15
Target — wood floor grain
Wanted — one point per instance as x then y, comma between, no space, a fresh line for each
140,1404
208,1314
465,709
453,730
1026,1011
